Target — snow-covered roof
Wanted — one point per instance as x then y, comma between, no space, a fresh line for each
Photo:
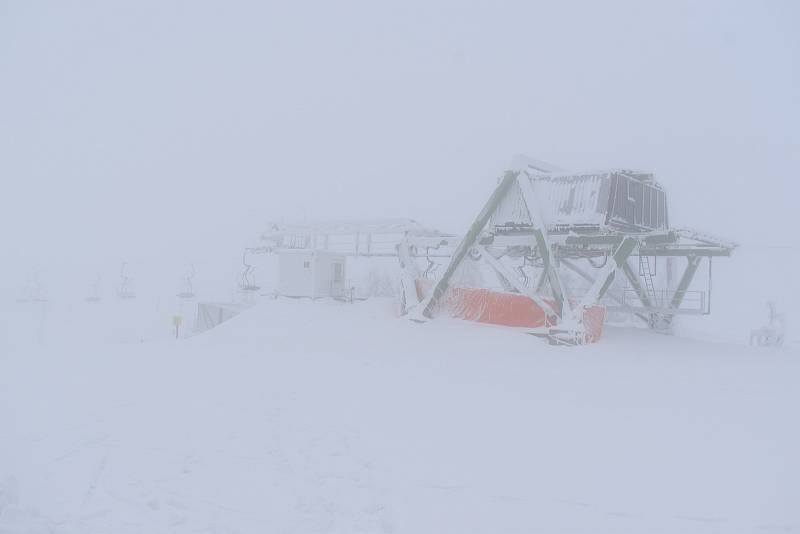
521,162
353,226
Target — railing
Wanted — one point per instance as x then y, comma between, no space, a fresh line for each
342,291
627,300
692,303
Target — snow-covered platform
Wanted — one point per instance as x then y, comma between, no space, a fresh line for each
301,416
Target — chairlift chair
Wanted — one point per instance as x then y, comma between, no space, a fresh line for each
188,290
247,280
34,291
432,268
94,292
124,291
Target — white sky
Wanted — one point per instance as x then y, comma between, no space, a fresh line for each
167,132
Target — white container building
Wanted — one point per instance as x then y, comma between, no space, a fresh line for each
311,273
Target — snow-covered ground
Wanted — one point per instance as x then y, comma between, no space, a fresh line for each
301,416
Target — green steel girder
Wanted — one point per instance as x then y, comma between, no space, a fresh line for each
685,281
469,240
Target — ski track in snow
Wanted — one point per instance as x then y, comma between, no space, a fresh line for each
303,416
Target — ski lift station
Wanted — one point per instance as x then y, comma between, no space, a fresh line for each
554,252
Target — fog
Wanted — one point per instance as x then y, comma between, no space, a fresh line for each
164,133
142,141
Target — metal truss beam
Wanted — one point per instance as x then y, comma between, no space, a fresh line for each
602,239
506,273
469,240
633,280
543,246
686,279
685,251
605,277
586,276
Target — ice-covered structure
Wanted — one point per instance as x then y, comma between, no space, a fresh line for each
561,240
621,200
551,251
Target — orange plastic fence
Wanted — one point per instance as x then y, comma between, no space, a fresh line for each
509,309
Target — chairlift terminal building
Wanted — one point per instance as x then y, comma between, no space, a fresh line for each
311,273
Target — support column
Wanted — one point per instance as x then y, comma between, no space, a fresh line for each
605,277
408,277
658,321
662,322
685,281
541,281
543,245
634,281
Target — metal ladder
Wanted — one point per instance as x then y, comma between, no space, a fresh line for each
647,274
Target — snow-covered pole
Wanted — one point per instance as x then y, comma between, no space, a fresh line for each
408,276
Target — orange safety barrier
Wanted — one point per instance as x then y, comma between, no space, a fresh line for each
509,309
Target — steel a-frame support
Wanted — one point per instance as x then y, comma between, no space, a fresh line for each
471,241
568,321
586,276
633,280
601,284
655,321
506,273
572,330
662,322
543,246
428,305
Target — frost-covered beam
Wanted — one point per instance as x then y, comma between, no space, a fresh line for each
606,275
541,281
349,227
586,276
685,251
601,239
543,245
469,240
633,280
706,238
685,281
515,282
